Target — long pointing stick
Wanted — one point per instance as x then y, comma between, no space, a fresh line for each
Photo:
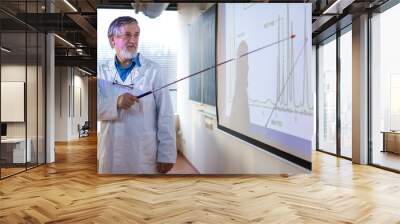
214,66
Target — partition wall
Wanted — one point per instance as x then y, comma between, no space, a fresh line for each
22,76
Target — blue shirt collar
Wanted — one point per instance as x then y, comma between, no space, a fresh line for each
135,62
124,72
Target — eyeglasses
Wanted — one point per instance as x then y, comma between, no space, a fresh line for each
128,36
115,82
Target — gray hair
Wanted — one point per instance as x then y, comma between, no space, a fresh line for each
115,25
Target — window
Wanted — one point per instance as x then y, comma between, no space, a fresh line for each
385,89
335,94
346,75
327,95
202,56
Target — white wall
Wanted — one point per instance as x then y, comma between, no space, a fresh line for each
70,83
80,83
209,149
61,103
15,72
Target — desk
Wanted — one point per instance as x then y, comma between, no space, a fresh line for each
391,141
13,150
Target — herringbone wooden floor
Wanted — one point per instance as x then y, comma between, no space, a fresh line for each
70,191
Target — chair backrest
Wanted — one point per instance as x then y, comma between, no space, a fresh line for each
86,125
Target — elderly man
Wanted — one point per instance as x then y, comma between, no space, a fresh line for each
137,136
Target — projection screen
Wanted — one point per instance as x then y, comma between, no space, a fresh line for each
266,94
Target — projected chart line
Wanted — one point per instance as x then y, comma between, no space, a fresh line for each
285,84
305,101
302,105
296,98
214,66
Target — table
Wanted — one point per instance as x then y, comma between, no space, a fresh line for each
391,141
13,150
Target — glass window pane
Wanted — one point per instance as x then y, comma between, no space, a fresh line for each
313,75
346,94
385,86
13,84
31,96
22,88
32,86
327,96
41,98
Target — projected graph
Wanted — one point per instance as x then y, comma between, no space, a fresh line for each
267,95
288,96
272,87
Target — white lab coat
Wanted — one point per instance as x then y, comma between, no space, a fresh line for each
133,141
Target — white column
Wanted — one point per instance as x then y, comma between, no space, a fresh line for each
50,93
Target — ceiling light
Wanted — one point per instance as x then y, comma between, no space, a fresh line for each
5,50
70,5
64,40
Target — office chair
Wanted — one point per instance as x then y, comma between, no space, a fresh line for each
84,130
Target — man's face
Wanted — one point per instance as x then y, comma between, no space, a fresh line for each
126,42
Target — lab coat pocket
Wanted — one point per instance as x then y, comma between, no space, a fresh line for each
148,148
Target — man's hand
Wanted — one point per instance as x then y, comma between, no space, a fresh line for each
126,100
164,167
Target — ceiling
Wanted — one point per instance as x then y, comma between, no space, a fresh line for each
76,23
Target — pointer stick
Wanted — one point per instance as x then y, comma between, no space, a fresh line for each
206,69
